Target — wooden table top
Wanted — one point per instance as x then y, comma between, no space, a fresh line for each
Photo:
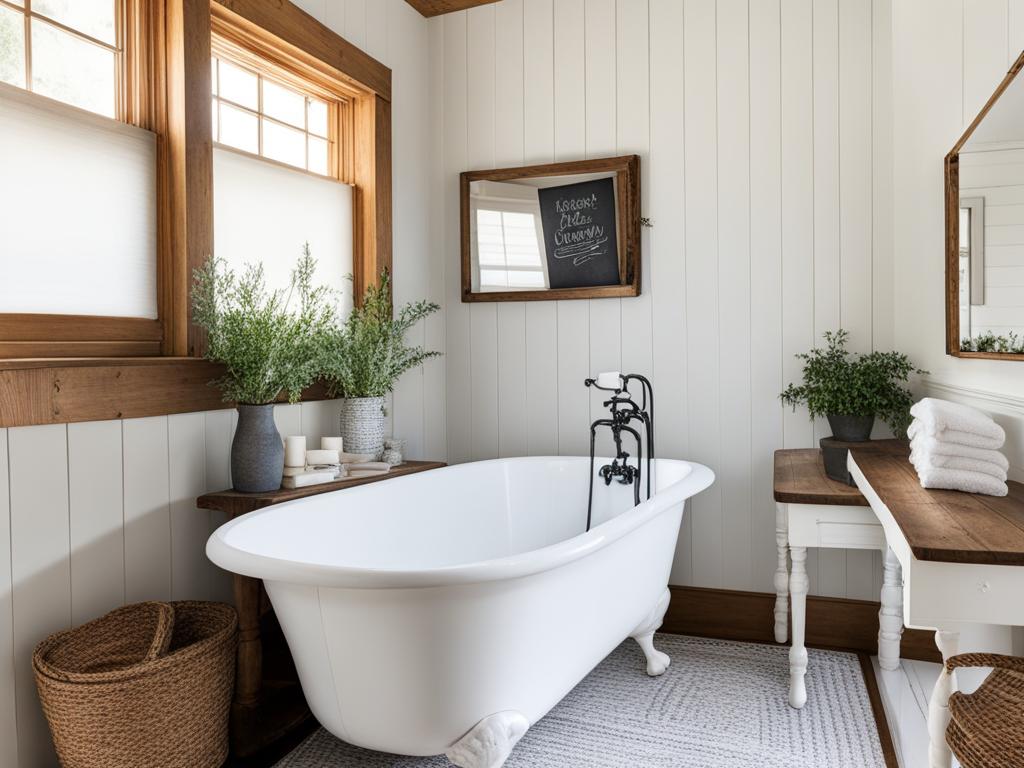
945,526
800,479
236,503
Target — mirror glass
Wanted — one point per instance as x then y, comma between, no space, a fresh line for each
990,274
558,231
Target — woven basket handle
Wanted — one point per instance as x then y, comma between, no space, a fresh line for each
163,632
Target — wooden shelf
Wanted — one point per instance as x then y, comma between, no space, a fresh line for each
800,479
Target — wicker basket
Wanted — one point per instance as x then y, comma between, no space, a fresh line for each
146,686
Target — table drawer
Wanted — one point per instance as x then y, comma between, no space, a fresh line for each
851,535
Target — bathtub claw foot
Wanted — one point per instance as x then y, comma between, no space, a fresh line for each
657,662
489,742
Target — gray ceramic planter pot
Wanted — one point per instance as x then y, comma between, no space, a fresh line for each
362,425
257,452
851,429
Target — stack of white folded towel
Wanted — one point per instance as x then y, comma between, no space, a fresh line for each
957,447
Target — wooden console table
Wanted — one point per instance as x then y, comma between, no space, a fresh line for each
265,709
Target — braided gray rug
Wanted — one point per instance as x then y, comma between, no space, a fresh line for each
720,704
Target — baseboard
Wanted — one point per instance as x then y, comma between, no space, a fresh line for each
832,622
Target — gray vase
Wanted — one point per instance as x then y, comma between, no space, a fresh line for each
257,452
851,429
362,425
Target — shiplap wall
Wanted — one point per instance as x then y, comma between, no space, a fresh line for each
764,133
997,175
98,514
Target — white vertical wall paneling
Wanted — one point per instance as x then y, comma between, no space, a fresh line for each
667,242
458,376
434,371
288,419
633,136
600,57
798,211
40,568
219,431
509,149
734,289
190,527
483,317
570,140
96,500
378,26
355,21
855,224
8,713
765,280
985,22
703,340
147,520
831,565
409,103
882,272
541,407
320,418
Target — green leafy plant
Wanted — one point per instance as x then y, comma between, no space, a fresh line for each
838,383
989,342
269,341
367,352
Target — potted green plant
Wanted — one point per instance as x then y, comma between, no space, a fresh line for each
365,355
269,341
852,390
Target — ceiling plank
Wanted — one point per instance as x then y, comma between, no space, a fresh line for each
437,7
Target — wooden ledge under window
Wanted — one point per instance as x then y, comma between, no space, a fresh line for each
66,390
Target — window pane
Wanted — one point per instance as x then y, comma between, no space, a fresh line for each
213,76
12,47
283,104
91,17
213,113
238,85
284,144
517,279
317,117
317,155
239,129
68,68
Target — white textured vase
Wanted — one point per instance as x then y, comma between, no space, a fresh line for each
362,425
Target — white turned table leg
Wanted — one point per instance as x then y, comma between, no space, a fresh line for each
890,616
798,585
939,755
781,572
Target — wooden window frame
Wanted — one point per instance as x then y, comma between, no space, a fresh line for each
97,368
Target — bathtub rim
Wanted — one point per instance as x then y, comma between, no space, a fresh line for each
247,563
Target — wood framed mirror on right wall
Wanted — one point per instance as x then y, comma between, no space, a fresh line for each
985,229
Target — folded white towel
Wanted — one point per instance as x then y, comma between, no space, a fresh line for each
956,423
961,480
940,461
927,451
971,439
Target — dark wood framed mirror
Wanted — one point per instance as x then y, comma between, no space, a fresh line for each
558,231
984,176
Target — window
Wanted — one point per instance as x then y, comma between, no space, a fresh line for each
259,115
68,50
509,249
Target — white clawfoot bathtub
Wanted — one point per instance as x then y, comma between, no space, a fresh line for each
447,611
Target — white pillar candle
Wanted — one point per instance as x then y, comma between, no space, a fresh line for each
609,380
295,451
331,444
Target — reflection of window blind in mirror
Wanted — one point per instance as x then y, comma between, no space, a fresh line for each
77,211
507,237
264,212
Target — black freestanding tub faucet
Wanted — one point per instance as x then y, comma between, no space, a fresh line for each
623,411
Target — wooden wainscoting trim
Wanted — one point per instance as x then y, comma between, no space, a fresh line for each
878,710
832,622
430,8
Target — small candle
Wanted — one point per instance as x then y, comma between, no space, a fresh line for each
295,451
331,443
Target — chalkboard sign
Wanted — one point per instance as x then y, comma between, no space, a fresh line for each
580,238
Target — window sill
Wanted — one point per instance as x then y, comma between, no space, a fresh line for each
59,391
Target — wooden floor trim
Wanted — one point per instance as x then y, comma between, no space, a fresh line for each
832,622
878,710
